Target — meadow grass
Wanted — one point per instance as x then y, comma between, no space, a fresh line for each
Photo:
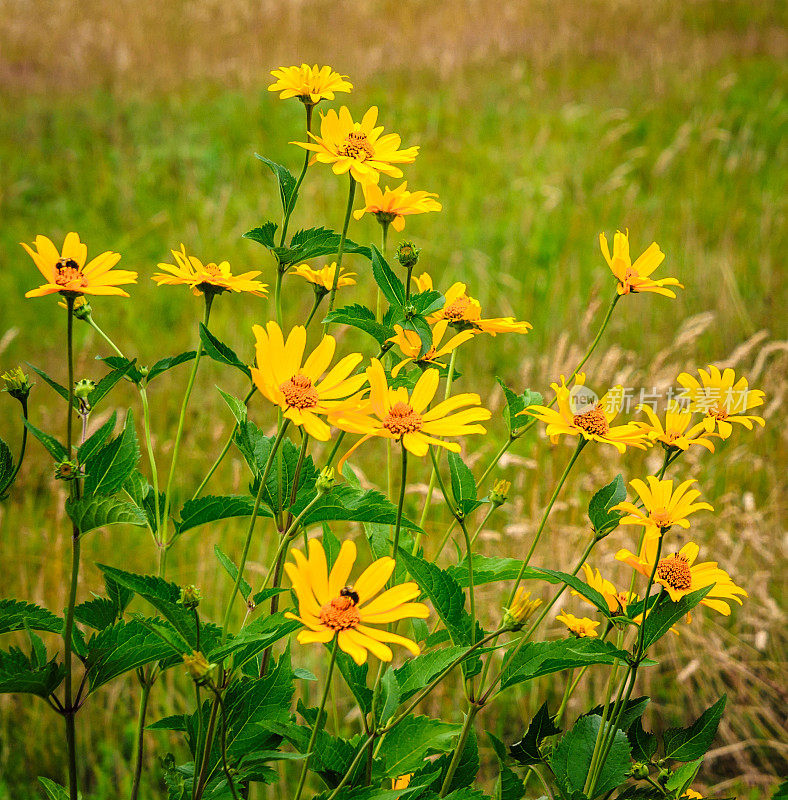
533,150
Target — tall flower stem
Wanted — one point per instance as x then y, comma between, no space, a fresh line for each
22,448
403,483
318,720
294,196
152,460
139,742
457,755
384,225
341,249
164,542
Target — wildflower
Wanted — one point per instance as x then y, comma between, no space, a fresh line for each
635,277
662,507
465,312
391,414
674,434
198,666
500,492
67,470
67,273
207,278
522,609
593,424
83,388
322,280
309,84
190,597
294,384
410,344
401,782
325,480
691,793
423,282
581,627
328,606
16,383
721,400
392,205
408,255
679,574
358,147
616,601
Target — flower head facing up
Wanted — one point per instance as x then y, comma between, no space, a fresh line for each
634,278
521,610
662,507
16,383
680,575
207,278
293,383
722,399
393,414
410,345
322,280
393,205
581,627
465,312
674,433
358,147
309,84
329,606
69,273
591,421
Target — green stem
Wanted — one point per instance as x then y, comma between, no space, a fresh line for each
318,719
480,527
278,294
152,460
207,747
598,336
315,306
403,483
294,196
22,448
384,225
103,335
341,248
335,448
139,741
455,760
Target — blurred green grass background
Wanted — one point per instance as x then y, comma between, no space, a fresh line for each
540,125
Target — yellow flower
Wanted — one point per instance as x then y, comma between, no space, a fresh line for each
674,433
593,424
402,782
391,414
691,793
323,279
423,282
358,147
394,204
465,312
662,507
309,84
410,344
207,278
329,606
67,273
635,277
522,609
294,384
581,627
616,601
679,574
722,399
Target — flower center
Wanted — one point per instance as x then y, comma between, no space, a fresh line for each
593,421
660,517
299,392
675,572
457,309
718,412
341,613
67,271
357,146
402,419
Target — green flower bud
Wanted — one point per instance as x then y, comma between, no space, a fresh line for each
82,309
500,492
16,383
640,771
67,471
83,388
522,610
190,597
325,481
408,255
198,667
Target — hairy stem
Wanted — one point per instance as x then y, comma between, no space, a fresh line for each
341,248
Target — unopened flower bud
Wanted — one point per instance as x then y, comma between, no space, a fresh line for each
325,481
15,382
500,492
143,371
408,255
640,771
522,609
83,388
82,309
198,667
190,597
67,471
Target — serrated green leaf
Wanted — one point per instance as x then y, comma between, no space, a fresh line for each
96,439
426,303
21,674
527,751
391,286
212,509
508,786
54,790
6,467
236,406
16,615
418,672
164,364
109,467
688,744
285,179
98,613
421,328
220,352
602,518
104,386
376,532
407,745
254,637
390,696
358,316
632,710
463,485
232,571
318,242
490,569
126,367
643,743
89,513
665,613
51,382
263,235
355,676
515,403
580,586
51,444
683,776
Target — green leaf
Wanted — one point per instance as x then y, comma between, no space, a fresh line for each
515,403
347,504
602,518
355,676
631,712
377,533
389,283
317,242
358,316
96,439
285,179
232,571
238,407
109,468
211,509
52,445
331,755
16,615
54,790
490,569
24,675
89,513
406,746
418,672
688,744
682,778
508,786
643,744
665,613
98,613
220,352
390,694
421,328
426,303
463,485
468,765
6,466
526,751
571,759
264,235
104,386
60,389
254,637
580,586
164,364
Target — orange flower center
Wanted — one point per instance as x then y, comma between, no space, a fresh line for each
593,421
299,392
341,613
718,412
357,146
458,309
661,517
68,272
212,271
402,419
675,572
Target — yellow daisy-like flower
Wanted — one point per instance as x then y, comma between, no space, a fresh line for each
722,399
592,424
323,279
680,575
410,344
691,793
634,278
662,507
674,433
295,385
329,606
394,205
358,147
465,313
616,601
423,282
309,84
582,627
206,278
392,414
66,271
402,782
